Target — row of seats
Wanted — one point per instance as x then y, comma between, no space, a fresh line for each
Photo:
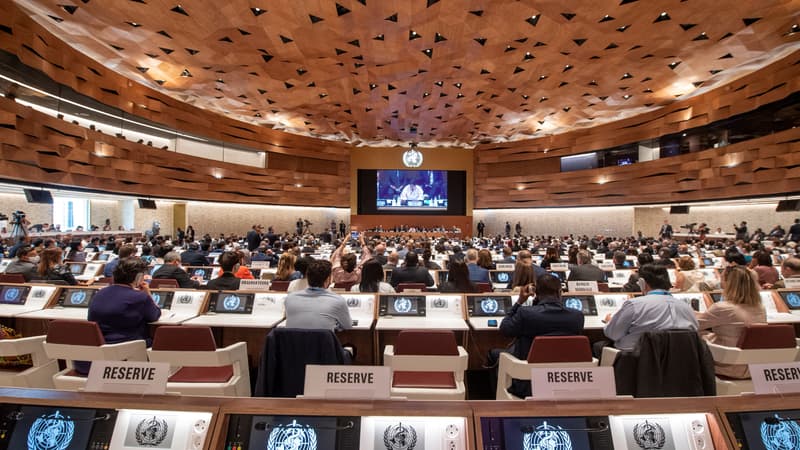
425,364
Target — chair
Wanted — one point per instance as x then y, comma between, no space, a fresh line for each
197,366
287,351
16,278
279,286
483,287
164,283
758,344
427,365
82,340
546,351
39,375
417,287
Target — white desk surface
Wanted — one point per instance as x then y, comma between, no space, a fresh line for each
17,310
57,313
364,323
593,322
420,323
170,318
779,317
235,320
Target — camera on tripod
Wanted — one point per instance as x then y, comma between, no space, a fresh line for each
18,216
689,226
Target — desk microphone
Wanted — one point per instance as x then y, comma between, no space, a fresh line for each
777,420
18,415
266,426
601,427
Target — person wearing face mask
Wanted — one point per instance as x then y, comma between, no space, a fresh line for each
26,263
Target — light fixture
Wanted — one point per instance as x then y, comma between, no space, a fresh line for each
412,157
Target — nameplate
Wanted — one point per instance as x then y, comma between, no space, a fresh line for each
559,267
582,286
259,264
573,383
347,382
608,266
505,266
128,377
791,283
775,378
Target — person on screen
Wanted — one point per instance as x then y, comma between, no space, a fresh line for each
547,316
412,191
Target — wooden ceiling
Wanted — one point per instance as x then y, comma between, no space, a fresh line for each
437,72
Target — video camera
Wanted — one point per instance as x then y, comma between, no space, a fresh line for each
689,226
18,216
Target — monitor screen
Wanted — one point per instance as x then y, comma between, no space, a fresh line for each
766,430
286,432
629,264
14,295
103,257
411,189
48,427
501,277
204,272
489,305
591,433
404,305
717,297
163,298
76,298
232,302
76,269
583,303
791,298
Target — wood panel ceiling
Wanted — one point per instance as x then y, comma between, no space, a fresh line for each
437,72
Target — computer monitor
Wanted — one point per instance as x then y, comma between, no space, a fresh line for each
402,305
582,303
76,297
501,276
791,298
231,303
14,294
765,429
162,298
488,305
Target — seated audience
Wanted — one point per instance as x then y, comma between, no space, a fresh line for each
372,276
392,261
51,269
193,256
523,276
477,274
723,322
688,279
485,259
585,270
25,264
316,307
286,270
346,268
412,272
124,252
654,311
790,268
228,281
762,265
172,269
426,259
458,279
547,316
75,253
525,258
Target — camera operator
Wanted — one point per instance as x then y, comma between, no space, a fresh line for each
19,224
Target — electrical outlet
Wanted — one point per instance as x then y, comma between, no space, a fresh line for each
451,431
200,426
698,426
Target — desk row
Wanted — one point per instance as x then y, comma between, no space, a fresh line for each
381,311
49,419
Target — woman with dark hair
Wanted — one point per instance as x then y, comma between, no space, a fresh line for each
523,276
76,253
345,265
485,259
550,256
762,265
458,279
124,309
372,279
50,268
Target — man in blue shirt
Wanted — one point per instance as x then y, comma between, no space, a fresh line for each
477,274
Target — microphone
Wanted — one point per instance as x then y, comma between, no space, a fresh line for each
777,420
601,427
18,415
266,426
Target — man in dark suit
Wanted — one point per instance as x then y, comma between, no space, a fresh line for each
547,316
172,269
666,230
229,261
794,231
585,270
380,254
412,272
481,228
254,237
193,256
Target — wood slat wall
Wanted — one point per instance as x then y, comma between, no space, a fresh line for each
527,173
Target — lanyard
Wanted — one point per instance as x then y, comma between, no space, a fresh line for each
659,292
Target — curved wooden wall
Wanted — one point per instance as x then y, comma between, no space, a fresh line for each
527,173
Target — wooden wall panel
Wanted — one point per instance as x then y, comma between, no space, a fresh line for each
37,148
